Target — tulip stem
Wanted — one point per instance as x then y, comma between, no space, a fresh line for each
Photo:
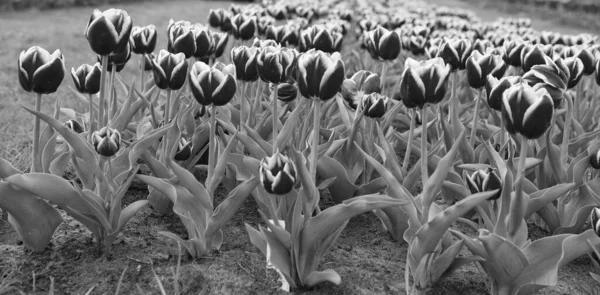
315,144
143,66
411,134
36,162
383,76
112,95
564,147
104,64
275,116
517,205
454,99
165,122
424,172
242,104
91,118
211,143
478,99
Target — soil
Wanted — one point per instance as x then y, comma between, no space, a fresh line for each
366,257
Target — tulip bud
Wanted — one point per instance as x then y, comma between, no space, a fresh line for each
552,76
495,89
455,53
219,18
219,43
106,141
277,174
184,150
588,60
87,78
286,92
40,71
108,31
532,55
320,38
485,180
349,92
264,22
320,75
383,44
417,44
424,82
595,220
576,68
211,85
275,63
595,160
204,41
275,33
527,111
118,59
74,125
243,27
480,66
374,105
169,70
181,38
143,39
245,59
278,12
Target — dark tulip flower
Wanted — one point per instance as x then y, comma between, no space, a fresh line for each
277,174
576,68
320,38
263,23
219,18
588,60
219,43
361,83
481,45
275,64
424,82
279,12
181,38
595,220
118,59
148,61
40,71
595,160
532,55
480,66
383,44
243,27
169,70
286,92
275,33
184,150
106,141
485,180
455,53
553,76
495,89
211,85
204,41
143,39
374,105
87,78
417,44
245,59
527,111
108,31
320,75
264,43
73,125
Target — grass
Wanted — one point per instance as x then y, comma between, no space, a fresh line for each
63,29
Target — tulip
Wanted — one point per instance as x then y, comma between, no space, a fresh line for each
245,61
204,41
424,82
495,89
455,53
532,55
143,39
181,38
512,52
275,63
74,125
287,92
595,220
553,75
527,111
374,105
485,180
320,38
277,174
275,33
219,44
588,60
481,45
480,66
106,141
279,12
219,18
263,23
243,27
87,78
362,82
184,150
576,71
320,75
169,70
417,44
40,71
595,160
108,31
264,43
383,44
118,59
212,86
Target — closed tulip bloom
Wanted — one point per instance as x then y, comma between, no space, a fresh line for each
532,55
595,220
40,71
279,12
184,150
106,141
73,125
588,60
362,82
264,43
211,85
383,44
527,111
263,23
455,53
275,63
320,75
595,160
424,82
553,76
417,44
169,70
481,45
495,89
87,78
480,66
374,105
320,38
275,33
219,43
118,59
485,180
219,18
143,39
204,41
181,38
108,31
243,27
277,174
576,68
291,36
245,59
287,92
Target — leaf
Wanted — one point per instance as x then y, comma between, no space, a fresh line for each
540,198
187,180
278,256
193,246
505,261
341,189
33,219
257,239
308,186
290,125
129,212
434,183
6,169
318,277
220,167
60,164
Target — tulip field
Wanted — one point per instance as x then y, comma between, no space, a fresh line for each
320,146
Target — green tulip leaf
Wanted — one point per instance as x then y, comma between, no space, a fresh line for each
540,198
6,169
257,239
341,189
318,277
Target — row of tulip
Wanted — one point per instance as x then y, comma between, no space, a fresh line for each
502,136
